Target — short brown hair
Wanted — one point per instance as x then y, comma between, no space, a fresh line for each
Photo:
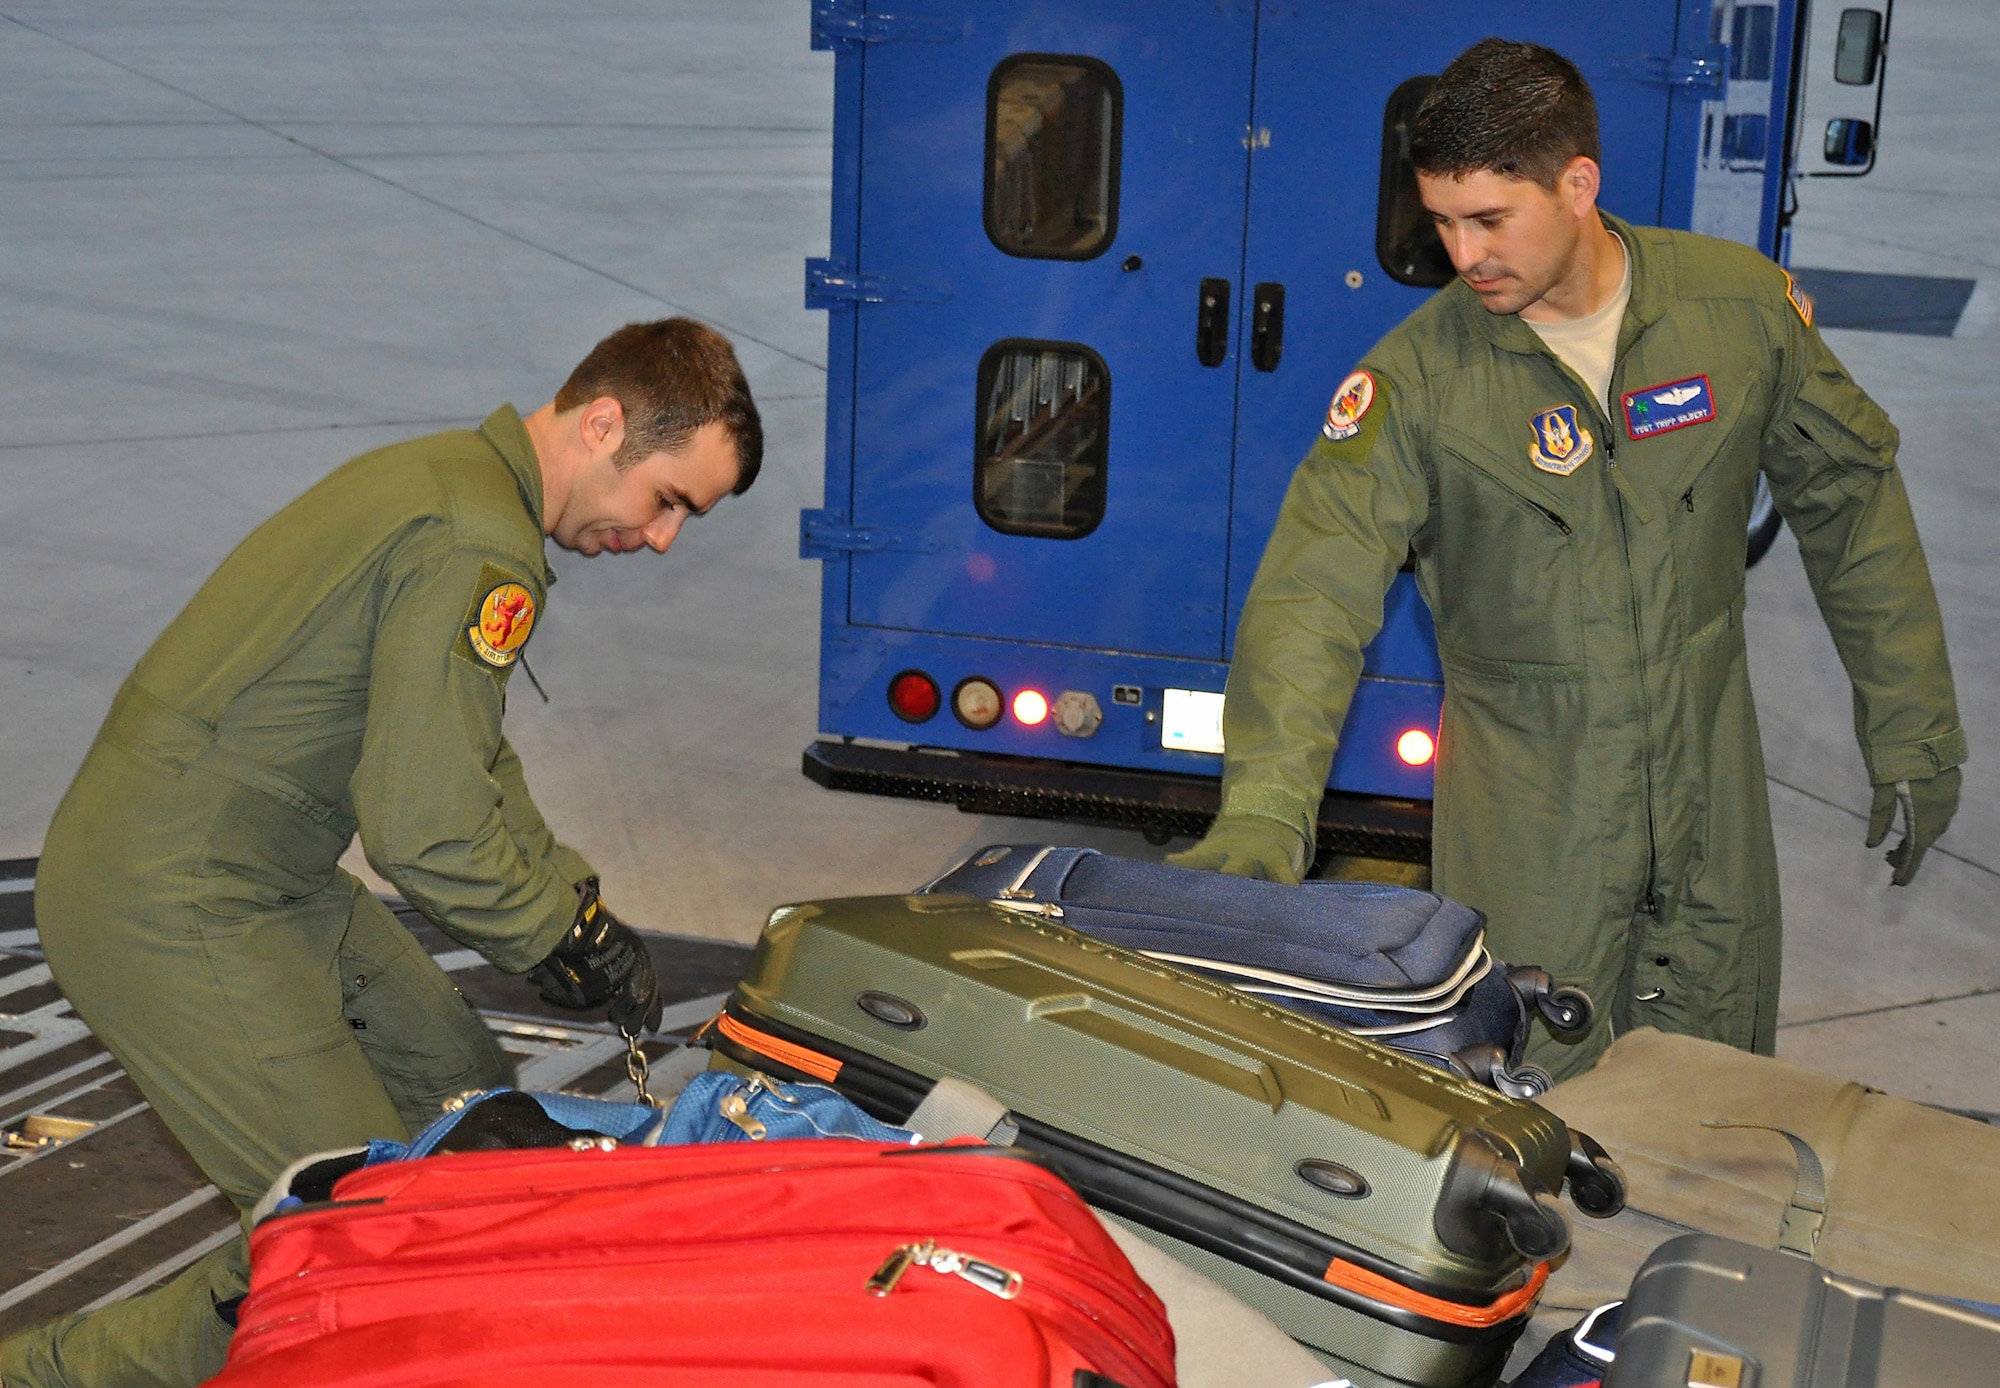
671,377
1517,109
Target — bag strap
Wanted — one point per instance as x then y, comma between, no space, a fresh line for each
1805,1215
954,1108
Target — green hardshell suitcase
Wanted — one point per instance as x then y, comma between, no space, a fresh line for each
1393,1217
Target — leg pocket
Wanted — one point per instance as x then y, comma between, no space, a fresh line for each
420,1033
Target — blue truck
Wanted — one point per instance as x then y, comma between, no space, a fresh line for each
1094,269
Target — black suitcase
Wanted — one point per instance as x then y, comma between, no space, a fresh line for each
1407,969
1708,1312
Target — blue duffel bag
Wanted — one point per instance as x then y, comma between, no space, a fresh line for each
1406,968
716,1106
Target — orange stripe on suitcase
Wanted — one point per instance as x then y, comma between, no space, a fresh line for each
808,1062
1379,1288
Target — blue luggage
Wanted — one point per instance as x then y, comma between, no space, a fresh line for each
1405,968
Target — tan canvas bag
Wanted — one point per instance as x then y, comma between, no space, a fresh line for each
1906,1196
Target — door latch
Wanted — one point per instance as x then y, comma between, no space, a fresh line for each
844,25
1211,323
1704,68
1267,325
823,535
834,284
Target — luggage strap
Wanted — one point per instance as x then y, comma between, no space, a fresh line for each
1805,1215
954,1108
1376,1287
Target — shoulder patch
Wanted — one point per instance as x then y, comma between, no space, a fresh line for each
498,620
1350,403
1800,300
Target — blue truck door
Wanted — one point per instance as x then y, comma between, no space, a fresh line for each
1050,244
1337,79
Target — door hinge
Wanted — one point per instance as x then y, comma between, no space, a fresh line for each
823,535
831,284
1703,69
844,25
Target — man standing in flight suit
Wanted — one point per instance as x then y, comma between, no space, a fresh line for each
346,669
1568,438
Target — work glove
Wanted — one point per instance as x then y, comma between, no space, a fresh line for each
1249,845
1927,806
600,959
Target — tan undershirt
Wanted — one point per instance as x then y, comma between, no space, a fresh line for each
1589,346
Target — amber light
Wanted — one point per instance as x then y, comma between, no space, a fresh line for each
1416,747
914,697
1030,708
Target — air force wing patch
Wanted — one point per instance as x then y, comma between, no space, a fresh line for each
1663,409
498,621
1350,403
1561,444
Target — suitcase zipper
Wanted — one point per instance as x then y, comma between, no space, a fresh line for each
988,1277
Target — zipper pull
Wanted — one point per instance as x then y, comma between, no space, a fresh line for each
736,1109
1046,909
1687,501
1002,1282
894,1266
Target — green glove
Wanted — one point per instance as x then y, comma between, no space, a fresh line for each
1927,805
1249,845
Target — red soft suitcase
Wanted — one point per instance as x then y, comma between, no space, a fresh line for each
768,1263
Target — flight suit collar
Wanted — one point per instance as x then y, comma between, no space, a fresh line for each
509,437
1652,294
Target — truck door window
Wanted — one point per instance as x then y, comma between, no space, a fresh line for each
1052,128
1406,242
1044,435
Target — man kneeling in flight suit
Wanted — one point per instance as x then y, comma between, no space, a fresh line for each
1568,439
346,668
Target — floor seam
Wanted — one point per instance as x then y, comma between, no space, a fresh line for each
1889,1007
1939,849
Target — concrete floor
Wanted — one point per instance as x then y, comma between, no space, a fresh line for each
239,244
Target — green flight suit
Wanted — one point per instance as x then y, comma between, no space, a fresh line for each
345,667
1600,783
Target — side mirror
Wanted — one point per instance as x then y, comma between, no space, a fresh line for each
1857,48
1849,143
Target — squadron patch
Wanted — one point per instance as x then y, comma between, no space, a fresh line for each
1561,444
1350,402
499,620
1665,408
1801,300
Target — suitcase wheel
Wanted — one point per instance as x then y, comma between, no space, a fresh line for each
1567,1010
1489,1197
1487,1064
1596,1183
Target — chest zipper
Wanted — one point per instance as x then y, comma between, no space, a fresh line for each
1650,902
1687,501
1553,519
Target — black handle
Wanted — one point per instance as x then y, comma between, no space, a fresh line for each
1267,326
1211,323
